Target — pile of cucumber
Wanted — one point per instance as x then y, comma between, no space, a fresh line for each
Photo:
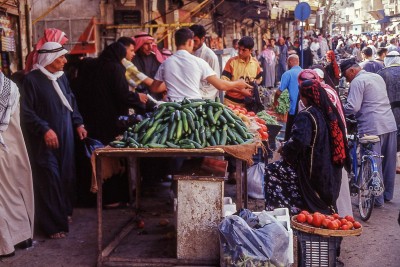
188,124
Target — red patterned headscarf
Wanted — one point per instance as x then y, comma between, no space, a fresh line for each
317,96
331,56
50,35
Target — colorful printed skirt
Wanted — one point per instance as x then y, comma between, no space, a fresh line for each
282,188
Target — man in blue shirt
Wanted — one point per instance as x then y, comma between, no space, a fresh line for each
289,81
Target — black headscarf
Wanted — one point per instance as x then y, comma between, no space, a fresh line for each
115,52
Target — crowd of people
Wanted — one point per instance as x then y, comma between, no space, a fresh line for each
57,113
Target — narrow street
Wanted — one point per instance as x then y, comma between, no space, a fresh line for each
377,246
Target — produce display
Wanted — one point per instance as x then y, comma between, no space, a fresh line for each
250,117
269,119
283,103
331,222
187,124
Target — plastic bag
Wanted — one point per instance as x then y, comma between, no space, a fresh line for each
242,245
91,145
255,181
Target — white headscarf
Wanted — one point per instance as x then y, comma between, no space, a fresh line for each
392,58
49,52
9,99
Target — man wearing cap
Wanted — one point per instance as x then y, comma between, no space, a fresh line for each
393,45
51,118
369,64
289,81
368,101
202,51
391,76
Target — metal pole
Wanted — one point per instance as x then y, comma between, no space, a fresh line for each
28,27
301,44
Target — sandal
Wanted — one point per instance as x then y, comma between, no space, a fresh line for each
58,235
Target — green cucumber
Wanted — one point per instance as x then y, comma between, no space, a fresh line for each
155,145
179,129
164,136
191,122
138,126
185,122
171,104
217,114
194,104
222,119
224,136
217,136
231,134
171,145
160,111
212,141
172,130
210,115
228,116
148,135
177,115
240,130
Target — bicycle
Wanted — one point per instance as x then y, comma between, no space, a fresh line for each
365,179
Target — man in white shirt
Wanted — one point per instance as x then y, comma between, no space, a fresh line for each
183,72
201,50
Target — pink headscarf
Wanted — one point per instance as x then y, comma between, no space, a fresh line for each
309,74
50,35
143,37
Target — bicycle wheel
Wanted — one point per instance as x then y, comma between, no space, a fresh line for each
365,196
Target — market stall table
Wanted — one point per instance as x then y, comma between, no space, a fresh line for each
103,156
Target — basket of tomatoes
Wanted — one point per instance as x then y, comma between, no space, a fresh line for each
326,225
250,117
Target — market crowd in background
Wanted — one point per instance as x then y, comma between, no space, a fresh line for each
59,110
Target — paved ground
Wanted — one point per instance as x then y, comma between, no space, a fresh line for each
377,246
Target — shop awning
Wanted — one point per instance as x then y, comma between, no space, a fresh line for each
377,14
87,41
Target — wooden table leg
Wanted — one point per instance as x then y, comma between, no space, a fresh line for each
99,212
239,185
133,177
138,184
245,195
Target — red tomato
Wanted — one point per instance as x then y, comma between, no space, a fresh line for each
344,227
330,217
332,225
338,222
336,216
301,218
251,113
264,135
263,127
357,225
317,219
261,121
309,219
231,106
325,222
350,225
245,110
349,218
140,224
343,221
304,212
